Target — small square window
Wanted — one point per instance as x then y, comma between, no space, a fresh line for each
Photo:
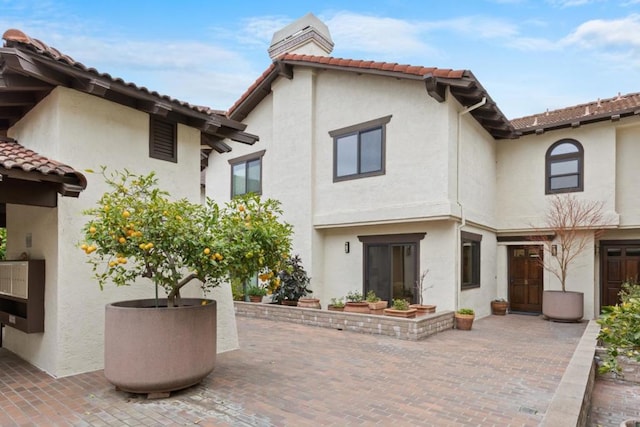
246,174
358,151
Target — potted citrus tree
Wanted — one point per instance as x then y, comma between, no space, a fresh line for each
136,232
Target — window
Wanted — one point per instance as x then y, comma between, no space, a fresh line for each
470,260
358,150
564,167
162,140
246,174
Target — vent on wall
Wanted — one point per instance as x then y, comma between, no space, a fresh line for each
162,140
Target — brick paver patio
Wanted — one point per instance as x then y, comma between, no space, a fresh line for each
503,372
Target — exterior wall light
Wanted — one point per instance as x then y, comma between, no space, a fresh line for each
346,247
554,250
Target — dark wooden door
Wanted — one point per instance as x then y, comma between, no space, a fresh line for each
620,263
525,278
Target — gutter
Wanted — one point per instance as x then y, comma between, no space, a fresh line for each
463,220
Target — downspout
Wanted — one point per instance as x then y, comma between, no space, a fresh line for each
463,219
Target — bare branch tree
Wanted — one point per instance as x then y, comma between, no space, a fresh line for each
575,223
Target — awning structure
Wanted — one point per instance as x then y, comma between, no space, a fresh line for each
27,178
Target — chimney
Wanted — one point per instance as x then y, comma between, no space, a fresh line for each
307,36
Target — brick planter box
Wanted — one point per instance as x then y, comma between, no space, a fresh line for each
407,329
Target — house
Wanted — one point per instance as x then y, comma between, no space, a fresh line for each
53,107
387,171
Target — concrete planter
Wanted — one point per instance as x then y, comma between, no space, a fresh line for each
156,351
563,306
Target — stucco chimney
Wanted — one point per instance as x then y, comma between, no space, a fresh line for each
308,35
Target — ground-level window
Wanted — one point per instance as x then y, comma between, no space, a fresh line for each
564,167
391,265
471,243
246,174
358,150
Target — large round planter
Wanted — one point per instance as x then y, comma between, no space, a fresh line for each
157,350
499,308
563,306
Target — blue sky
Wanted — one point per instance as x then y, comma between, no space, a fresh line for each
530,55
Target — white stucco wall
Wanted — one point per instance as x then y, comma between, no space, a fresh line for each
627,196
419,184
87,132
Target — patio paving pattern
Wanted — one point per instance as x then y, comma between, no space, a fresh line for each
504,372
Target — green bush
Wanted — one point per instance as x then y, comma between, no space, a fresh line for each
337,302
400,304
355,296
293,281
3,242
467,311
372,297
620,329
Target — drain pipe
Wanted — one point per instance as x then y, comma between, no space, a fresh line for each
463,219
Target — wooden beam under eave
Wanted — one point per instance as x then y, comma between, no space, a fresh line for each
32,193
92,86
242,137
161,109
17,82
19,60
435,90
11,99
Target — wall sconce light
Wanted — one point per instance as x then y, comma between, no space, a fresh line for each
554,250
346,247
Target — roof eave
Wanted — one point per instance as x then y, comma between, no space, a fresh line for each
577,122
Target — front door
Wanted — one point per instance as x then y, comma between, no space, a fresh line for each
620,261
525,278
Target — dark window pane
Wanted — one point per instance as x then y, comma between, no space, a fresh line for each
565,167
565,148
347,155
560,182
614,252
253,176
632,252
239,179
371,151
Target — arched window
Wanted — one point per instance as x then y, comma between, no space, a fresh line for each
564,167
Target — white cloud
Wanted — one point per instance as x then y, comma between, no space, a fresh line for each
607,33
377,35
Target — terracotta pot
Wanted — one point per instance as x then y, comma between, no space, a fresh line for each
289,302
255,298
377,307
631,423
464,322
158,350
357,307
563,306
408,314
423,309
309,303
499,307
333,308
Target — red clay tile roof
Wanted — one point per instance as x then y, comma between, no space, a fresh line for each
15,37
600,110
463,84
347,64
15,156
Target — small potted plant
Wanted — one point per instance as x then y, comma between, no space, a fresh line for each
400,308
293,282
376,305
464,318
356,303
256,293
499,306
421,291
337,304
309,302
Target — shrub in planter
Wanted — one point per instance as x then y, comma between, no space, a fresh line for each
464,318
376,305
620,329
337,304
356,303
400,308
137,231
292,282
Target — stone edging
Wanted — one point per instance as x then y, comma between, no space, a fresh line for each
408,329
572,401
